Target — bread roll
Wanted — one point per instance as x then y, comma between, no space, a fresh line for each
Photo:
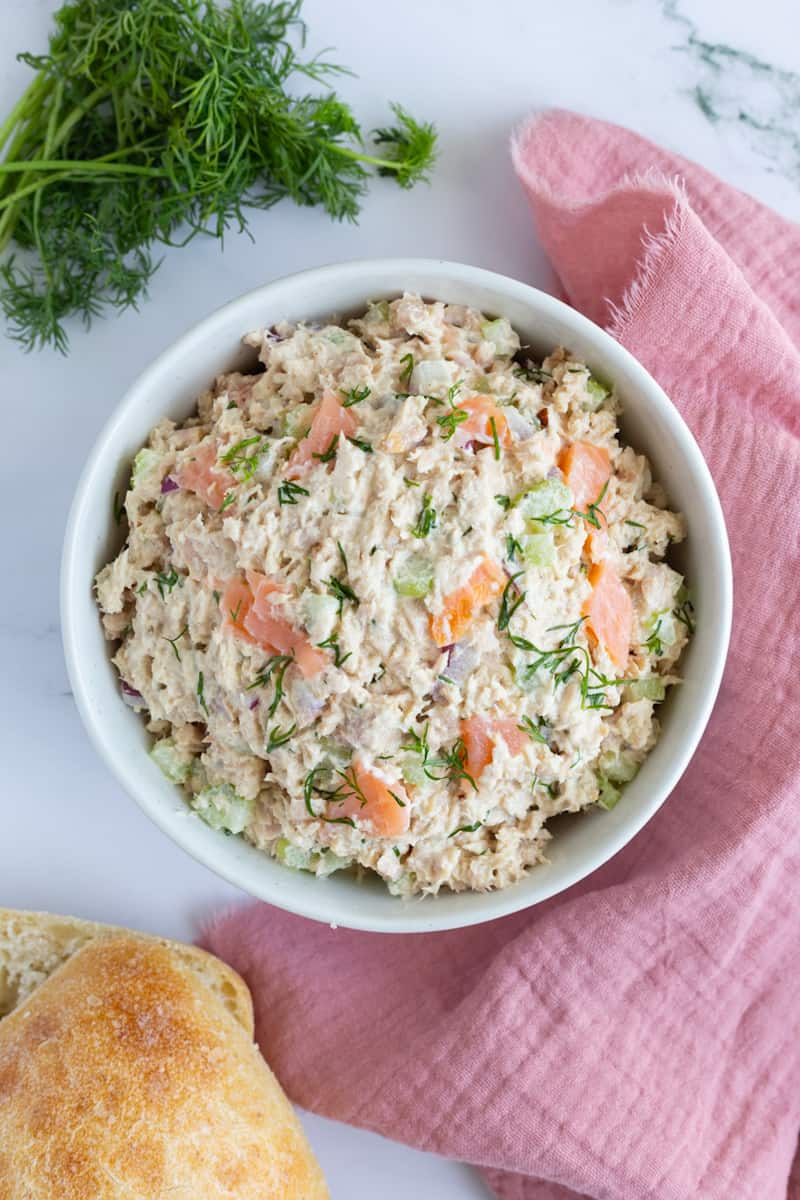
128,1069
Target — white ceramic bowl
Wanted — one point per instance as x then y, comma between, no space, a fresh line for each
170,387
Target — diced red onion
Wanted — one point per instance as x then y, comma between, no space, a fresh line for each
255,703
462,659
168,484
130,695
520,427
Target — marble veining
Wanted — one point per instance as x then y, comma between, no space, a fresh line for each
736,89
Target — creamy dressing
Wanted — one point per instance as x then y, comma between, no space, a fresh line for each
400,517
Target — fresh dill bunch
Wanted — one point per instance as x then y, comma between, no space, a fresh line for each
151,122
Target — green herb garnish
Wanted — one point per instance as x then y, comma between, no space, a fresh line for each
166,580
279,737
288,492
591,513
495,438
532,374
450,422
174,641
513,548
354,396
535,731
273,673
636,524
201,693
508,606
151,124
240,464
227,502
362,445
426,521
342,591
410,482
330,452
332,643
503,501
654,643
466,829
405,374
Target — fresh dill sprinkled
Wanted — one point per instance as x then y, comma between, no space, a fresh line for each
449,764
342,554
330,452
235,612
361,444
347,789
513,548
227,502
174,641
273,672
454,389
231,404
469,529
142,588
654,643
466,829
354,396
532,374
685,614
410,482
503,501
408,367
396,851
288,492
332,643
535,731
341,591
279,737
561,516
396,798
450,422
217,596
507,606
239,463
119,507
636,524
201,692
591,513
166,580
550,788
426,521
153,123
495,438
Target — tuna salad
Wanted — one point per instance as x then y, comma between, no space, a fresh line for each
398,597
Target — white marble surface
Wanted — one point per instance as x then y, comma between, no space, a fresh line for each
71,840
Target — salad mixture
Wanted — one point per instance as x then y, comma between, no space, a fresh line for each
399,597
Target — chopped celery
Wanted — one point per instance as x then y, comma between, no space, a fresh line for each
501,335
598,393
174,765
544,498
482,385
318,614
414,577
413,772
650,688
295,421
322,862
608,796
338,754
143,464
222,807
619,768
292,856
538,546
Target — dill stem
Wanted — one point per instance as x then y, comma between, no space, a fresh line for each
79,166
31,93
361,156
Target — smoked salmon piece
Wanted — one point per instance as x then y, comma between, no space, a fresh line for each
609,613
587,470
204,476
461,606
479,735
478,423
249,614
330,420
376,805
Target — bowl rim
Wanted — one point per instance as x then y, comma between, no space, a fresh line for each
72,587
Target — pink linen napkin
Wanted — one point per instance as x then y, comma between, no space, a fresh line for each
638,1036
